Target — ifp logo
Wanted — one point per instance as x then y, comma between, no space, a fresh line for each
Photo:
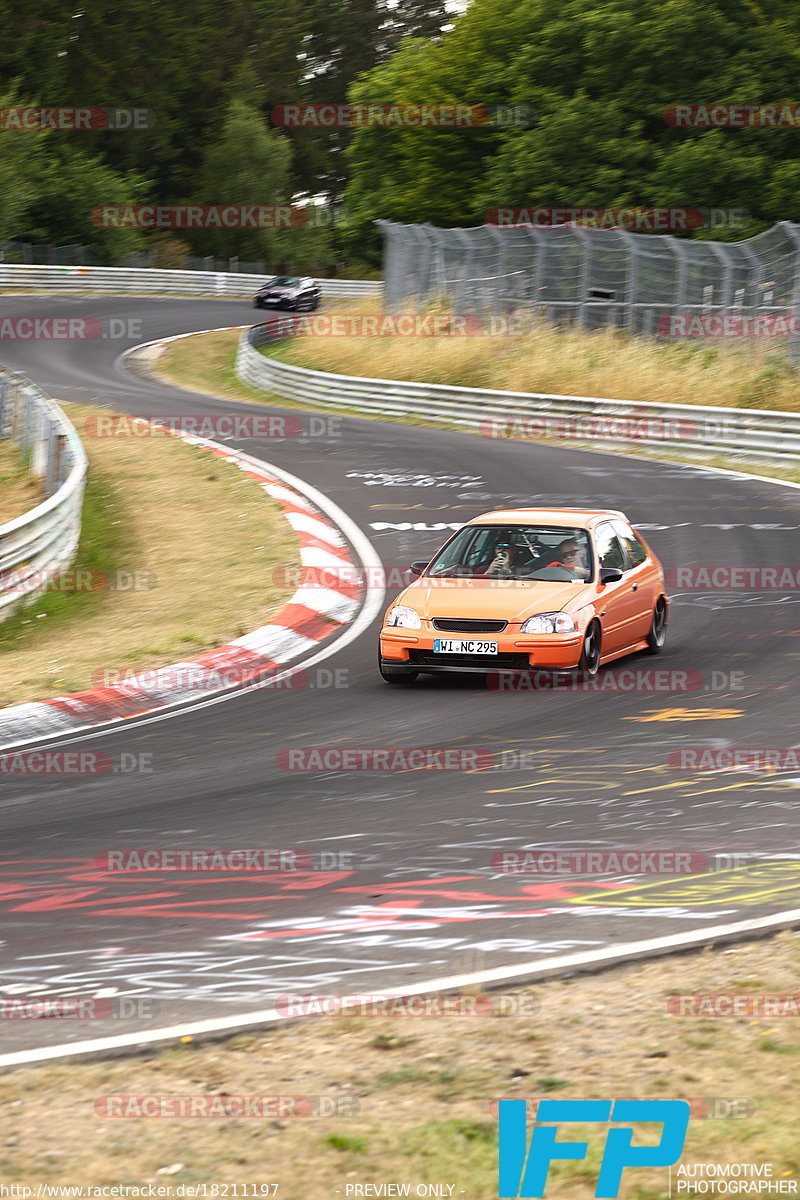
523,1170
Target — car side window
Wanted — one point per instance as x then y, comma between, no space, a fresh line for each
636,551
609,550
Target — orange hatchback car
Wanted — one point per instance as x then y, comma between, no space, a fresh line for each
530,588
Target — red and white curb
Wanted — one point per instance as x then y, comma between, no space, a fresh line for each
312,614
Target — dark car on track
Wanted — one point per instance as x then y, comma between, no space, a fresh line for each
293,293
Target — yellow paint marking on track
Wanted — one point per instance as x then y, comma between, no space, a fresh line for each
759,884
662,787
687,714
522,787
733,787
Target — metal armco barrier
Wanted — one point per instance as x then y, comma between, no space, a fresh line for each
529,415
43,541
146,279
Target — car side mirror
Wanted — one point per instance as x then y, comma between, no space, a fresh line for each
417,568
610,575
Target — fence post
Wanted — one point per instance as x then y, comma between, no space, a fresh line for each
794,341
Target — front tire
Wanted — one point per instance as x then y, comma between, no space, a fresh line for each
589,663
403,678
658,629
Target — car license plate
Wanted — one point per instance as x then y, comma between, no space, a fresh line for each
463,646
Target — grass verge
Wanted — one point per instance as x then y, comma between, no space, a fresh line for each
179,553
413,1097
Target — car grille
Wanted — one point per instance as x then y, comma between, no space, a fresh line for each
428,658
466,625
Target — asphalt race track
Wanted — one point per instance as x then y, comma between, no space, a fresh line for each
422,897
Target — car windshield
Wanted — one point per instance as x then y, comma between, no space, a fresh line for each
284,281
526,552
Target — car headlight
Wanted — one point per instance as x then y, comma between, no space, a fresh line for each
405,617
557,622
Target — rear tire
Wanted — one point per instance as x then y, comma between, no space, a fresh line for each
658,629
589,663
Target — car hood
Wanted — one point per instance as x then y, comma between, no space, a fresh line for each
278,289
496,599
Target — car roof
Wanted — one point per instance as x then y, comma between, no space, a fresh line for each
579,518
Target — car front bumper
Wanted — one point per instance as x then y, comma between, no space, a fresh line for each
413,649
261,302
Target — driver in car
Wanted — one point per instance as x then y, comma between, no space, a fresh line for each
568,555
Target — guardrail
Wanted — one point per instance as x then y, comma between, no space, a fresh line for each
529,415
43,541
147,279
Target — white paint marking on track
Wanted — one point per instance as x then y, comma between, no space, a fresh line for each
303,523
325,600
526,973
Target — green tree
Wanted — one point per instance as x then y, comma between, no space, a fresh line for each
71,185
598,79
20,151
247,164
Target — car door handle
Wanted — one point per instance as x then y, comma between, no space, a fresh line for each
634,587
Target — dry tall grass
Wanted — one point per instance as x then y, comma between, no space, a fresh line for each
19,490
608,363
